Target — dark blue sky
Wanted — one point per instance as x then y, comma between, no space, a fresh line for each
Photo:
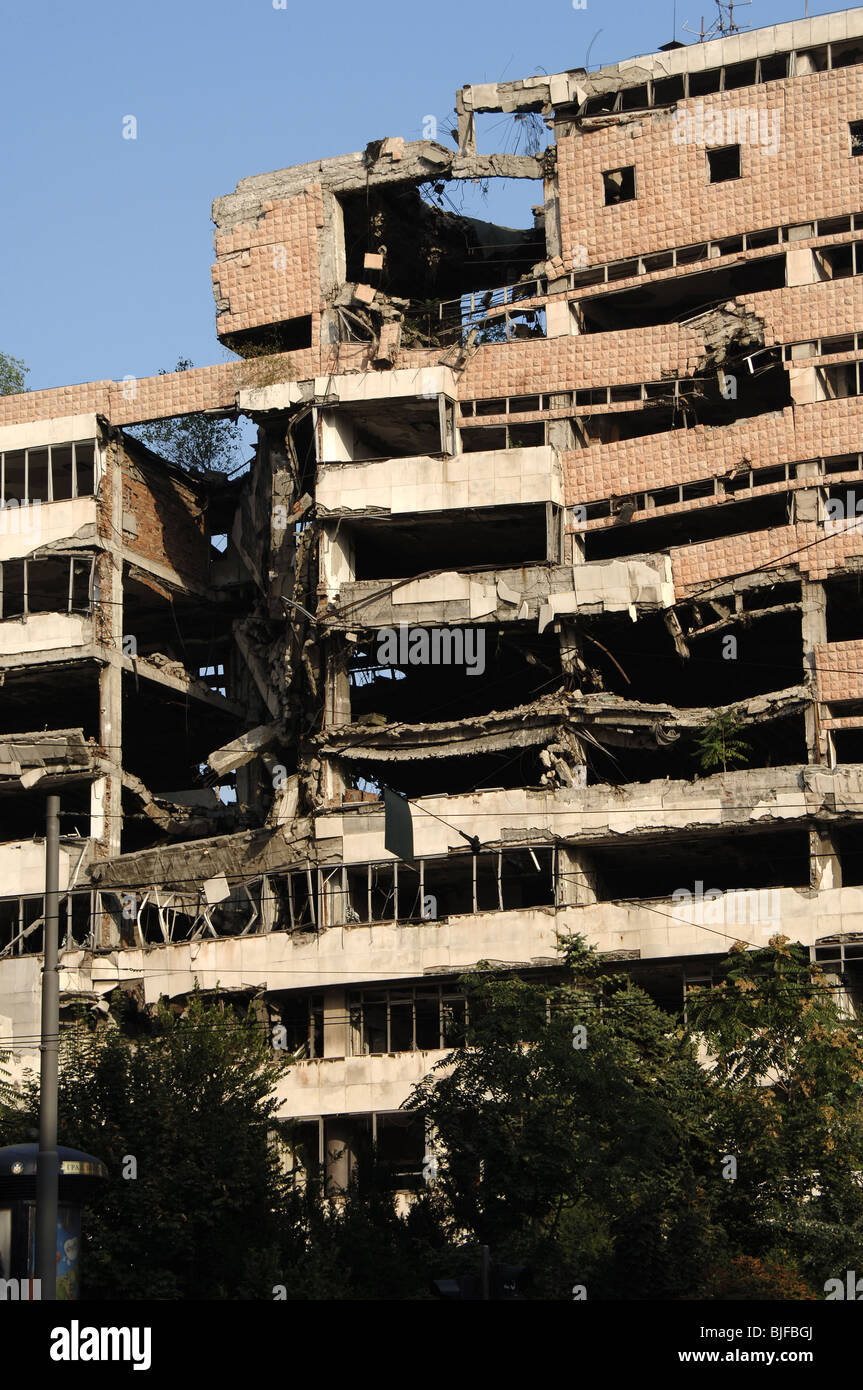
107,242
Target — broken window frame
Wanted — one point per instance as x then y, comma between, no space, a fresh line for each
478,308
450,1003
840,373
297,890
628,181
512,438
17,945
349,889
306,1021
669,388
73,602
772,67
715,164
676,256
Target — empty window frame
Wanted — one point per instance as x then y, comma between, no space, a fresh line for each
154,923
54,584
237,915
399,1141
668,90
702,84
411,1018
297,899
338,1144
22,921
723,163
838,262
482,439
515,405
811,60
856,131
302,1017
773,68
54,473
740,75
447,886
402,427
619,185
513,325
840,380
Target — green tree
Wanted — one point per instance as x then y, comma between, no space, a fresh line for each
362,1248
574,1135
191,1104
787,1075
194,441
12,375
7,1092
720,745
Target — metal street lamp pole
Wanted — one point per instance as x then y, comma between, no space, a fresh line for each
47,1164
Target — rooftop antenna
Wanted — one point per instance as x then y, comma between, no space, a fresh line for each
724,25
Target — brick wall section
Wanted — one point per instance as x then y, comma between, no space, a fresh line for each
178,393
803,547
644,354
840,670
812,174
203,388
130,402
268,270
593,359
88,398
808,311
495,370
679,456
169,521
696,566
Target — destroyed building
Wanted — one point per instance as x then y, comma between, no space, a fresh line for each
618,448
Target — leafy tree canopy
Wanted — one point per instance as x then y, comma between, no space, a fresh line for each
12,375
192,1105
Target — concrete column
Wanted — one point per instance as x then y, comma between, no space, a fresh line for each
576,884
339,1152
336,1024
800,267
814,632
825,871
337,705
109,627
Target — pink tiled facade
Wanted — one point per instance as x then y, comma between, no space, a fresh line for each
840,671
267,271
792,435
677,205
